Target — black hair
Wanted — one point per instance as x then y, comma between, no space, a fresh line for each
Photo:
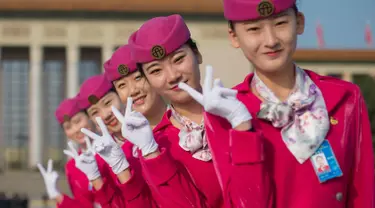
231,23
190,42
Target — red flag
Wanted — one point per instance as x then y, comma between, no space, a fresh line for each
368,35
320,35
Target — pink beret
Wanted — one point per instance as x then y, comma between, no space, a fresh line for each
158,37
92,90
66,110
120,64
240,10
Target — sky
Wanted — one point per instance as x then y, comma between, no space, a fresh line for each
343,22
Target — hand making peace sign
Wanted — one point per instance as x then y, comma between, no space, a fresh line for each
107,148
219,100
136,128
85,161
50,179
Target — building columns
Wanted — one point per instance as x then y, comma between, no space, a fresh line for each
72,59
108,45
35,111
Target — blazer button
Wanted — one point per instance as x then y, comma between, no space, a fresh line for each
339,196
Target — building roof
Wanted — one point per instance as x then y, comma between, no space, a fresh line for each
335,55
176,6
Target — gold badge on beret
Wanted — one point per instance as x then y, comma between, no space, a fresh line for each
333,121
123,69
158,52
93,99
66,118
265,8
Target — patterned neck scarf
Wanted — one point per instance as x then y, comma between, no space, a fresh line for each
303,117
192,137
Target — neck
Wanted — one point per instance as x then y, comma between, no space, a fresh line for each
83,146
280,82
191,110
158,111
118,135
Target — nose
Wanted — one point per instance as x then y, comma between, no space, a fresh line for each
135,89
77,130
173,76
106,115
270,38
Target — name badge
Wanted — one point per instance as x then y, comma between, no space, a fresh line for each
325,163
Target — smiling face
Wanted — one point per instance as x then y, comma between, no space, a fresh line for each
269,43
103,110
136,86
180,66
72,128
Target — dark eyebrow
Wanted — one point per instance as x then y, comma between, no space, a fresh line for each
90,110
282,14
180,50
106,98
152,65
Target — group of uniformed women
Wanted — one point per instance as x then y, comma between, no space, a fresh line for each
285,137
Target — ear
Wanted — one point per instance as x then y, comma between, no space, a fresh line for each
300,23
233,38
232,35
199,57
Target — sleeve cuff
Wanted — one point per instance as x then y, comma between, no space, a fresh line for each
66,202
246,147
133,187
160,169
104,195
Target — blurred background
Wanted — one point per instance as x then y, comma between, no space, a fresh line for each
49,47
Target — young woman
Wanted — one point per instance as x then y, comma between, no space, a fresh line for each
128,81
97,97
303,116
88,175
183,172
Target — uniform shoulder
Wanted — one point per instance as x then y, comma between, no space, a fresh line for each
345,85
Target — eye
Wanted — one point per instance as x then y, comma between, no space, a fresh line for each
281,23
77,121
107,103
137,78
121,85
179,59
93,113
154,71
253,29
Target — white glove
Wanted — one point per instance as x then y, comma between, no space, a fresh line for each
219,100
107,148
50,179
86,161
136,129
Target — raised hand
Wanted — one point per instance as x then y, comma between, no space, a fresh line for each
136,129
107,148
50,179
86,161
219,100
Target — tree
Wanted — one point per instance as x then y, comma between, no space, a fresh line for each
367,85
